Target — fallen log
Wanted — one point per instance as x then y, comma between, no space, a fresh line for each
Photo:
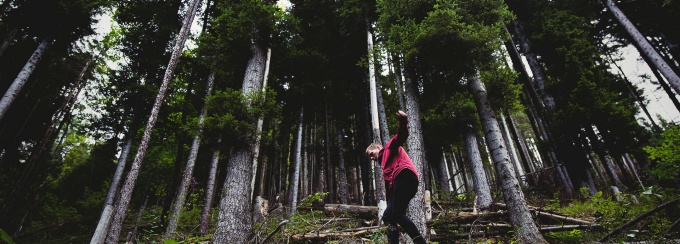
476,234
639,217
363,212
321,236
564,218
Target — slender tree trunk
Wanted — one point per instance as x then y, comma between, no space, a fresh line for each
187,176
479,180
234,221
8,39
329,166
209,191
519,140
297,162
397,77
519,172
644,47
129,185
342,175
520,217
416,151
634,94
105,219
18,83
378,137
443,175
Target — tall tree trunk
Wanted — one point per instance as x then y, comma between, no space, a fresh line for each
635,95
329,166
342,172
105,219
443,175
416,151
187,176
129,185
520,217
397,77
378,137
260,121
234,222
204,223
298,161
534,99
18,83
479,180
519,140
644,47
519,172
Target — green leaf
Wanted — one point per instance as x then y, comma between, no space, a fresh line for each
5,237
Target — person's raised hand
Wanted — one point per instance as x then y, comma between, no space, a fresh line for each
401,115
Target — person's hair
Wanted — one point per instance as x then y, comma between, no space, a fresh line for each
373,146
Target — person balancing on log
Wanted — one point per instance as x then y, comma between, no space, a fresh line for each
401,181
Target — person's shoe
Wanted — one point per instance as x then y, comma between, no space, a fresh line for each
392,234
419,240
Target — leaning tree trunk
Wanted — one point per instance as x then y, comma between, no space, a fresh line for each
644,47
442,173
129,185
105,219
479,182
234,222
181,196
204,223
416,150
18,83
536,102
520,217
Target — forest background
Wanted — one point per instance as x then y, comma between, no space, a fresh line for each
174,122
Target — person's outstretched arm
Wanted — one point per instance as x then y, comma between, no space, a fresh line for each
402,131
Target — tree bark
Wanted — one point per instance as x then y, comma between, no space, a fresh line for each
644,47
105,219
296,172
378,137
204,223
233,224
260,121
18,83
520,217
416,151
480,184
129,185
342,175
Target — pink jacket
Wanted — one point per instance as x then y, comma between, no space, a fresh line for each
393,158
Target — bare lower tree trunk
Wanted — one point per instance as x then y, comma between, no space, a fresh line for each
260,121
644,47
18,83
209,192
342,175
234,221
129,185
181,196
375,120
105,219
296,172
520,217
479,182
443,176
416,151
519,172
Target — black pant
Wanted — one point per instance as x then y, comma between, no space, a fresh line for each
399,195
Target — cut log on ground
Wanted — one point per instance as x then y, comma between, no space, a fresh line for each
322,236
363,212
640,217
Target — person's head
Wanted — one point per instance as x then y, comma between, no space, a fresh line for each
373,151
